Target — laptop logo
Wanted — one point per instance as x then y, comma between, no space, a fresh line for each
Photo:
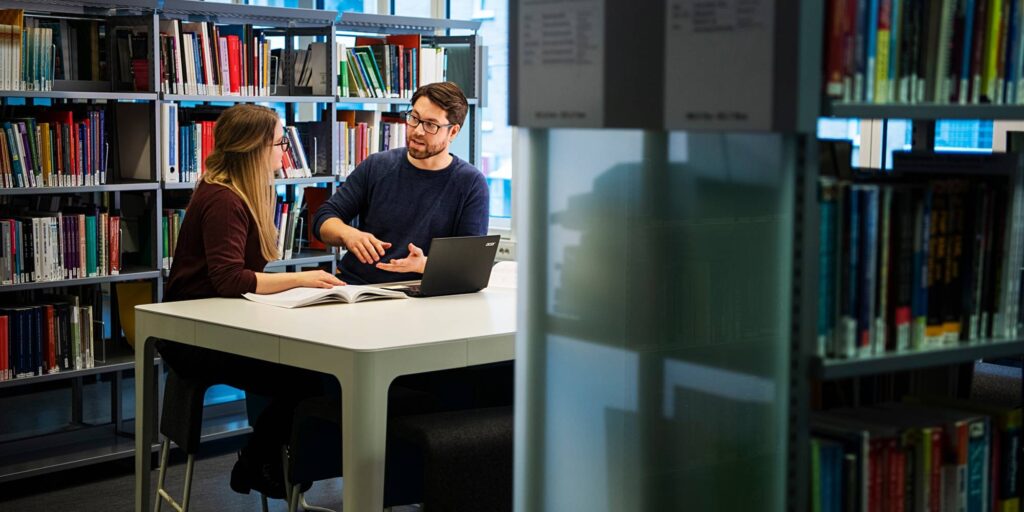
489,244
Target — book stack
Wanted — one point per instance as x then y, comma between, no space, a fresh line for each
46,247
59,148
941,51
204,58
927,454
917,260
389,67
186,137
57,334
362,133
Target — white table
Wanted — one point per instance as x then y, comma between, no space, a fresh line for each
366,346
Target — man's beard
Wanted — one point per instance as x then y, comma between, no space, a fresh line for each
427,152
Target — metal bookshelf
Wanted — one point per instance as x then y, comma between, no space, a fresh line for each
386,24
192,10
113,364
386,101
922,111
312,180
117,187
126,275
82,95
81,7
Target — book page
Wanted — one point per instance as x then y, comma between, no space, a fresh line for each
355,293
296,297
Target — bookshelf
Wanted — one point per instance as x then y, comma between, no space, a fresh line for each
860,382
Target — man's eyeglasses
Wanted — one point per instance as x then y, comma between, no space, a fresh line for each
283,143
428,126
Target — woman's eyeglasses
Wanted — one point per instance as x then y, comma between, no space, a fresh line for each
283,143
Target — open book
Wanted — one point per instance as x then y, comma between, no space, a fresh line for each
298,297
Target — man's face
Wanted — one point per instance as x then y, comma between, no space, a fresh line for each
420,142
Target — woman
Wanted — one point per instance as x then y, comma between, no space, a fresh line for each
226,240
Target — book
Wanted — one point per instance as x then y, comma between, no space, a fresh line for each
299,297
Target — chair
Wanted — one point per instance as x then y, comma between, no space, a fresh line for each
455,460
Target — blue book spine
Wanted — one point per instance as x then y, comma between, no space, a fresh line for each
37,341
965,60
1009,75
826,269
977,465
853,272
919,302
871,51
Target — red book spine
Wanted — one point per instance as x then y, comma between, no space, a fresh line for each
5,363
115,244
935,489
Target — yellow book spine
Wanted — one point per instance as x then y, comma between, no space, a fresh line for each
882,67
990,74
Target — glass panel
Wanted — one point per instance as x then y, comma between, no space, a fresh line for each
654,352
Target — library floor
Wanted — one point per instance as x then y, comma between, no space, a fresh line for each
110,487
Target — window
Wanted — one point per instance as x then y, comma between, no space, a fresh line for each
496,134
842,129
417,8
953,136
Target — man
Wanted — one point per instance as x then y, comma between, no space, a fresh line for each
407,196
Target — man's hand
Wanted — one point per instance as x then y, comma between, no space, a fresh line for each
414,262
364,245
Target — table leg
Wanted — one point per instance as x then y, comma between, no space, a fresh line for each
364,434
145,376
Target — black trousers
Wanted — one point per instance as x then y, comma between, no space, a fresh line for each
284,386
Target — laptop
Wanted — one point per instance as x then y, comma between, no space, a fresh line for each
460,264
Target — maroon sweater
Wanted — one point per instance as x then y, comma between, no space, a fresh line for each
218,252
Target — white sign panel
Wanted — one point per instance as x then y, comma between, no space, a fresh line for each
719,64
561,63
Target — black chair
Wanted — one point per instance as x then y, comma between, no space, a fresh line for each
455,460
181,421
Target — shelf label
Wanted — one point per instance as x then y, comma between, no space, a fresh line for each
561,63
719,64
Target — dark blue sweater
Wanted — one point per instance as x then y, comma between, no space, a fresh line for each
400,203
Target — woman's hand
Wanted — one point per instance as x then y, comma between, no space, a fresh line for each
316,279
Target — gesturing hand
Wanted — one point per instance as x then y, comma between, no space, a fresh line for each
365,246
414,262
317,279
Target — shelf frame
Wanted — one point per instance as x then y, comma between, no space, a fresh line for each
363,23
116,187
257,15
202,98
129,275
922,111
835,369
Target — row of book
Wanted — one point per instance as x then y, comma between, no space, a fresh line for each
389,67
208,59
914,51
362,133
55,335
287,219
186,139
170,225
922,454
26,53
915,260
49,247
58,148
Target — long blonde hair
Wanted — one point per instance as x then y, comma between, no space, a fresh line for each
243,137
